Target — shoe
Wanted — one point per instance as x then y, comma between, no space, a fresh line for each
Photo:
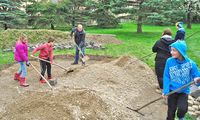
49,78
17,76
74,63
42,81
22,82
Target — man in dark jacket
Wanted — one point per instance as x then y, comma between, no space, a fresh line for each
180,34
79,38
161,48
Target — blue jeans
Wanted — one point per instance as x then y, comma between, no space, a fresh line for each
77,53
22,69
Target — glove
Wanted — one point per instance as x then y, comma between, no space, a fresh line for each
28,63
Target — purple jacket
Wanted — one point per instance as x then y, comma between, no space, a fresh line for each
21,51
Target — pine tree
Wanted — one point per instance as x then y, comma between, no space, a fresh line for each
11,14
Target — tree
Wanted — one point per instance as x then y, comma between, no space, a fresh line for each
192,8
102,12
11,13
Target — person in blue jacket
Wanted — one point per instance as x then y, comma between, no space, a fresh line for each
179,70
180,34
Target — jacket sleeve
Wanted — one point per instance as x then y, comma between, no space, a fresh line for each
155,47
38,48
166,79
22,52
72,31
195,72
51,54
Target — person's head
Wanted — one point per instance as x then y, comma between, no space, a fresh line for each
179,25
167,32
80,27
51,41
178,50
23,38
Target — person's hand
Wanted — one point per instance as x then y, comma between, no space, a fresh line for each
164,96
51,62
28,63
197,80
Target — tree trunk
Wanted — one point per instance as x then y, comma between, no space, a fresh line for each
189,19
139,24
73,22
5,26
52,26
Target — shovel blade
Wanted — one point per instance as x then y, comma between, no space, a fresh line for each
85,58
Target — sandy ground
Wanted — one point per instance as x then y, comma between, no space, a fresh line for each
102,90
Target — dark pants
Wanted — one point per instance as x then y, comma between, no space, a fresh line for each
159,68
45,65
77,53
177,102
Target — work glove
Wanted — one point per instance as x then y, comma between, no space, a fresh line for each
28,63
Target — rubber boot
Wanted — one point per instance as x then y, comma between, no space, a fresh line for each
22,82
17,76
49,77
42,80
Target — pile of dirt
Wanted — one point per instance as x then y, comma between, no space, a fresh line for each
103,39
100,90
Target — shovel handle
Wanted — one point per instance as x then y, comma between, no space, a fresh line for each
50,62
41,76
80,50
172,92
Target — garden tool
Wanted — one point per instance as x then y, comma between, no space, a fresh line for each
68,69
85,57
172,92
41,76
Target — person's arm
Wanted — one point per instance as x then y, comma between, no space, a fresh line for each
22,52
155,47
72,32
51,55
166,79
37,49
195,72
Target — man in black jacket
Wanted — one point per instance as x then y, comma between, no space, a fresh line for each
79,38
161,48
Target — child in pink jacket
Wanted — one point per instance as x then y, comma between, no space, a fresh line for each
46,53
21,56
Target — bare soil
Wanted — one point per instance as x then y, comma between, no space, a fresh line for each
101,90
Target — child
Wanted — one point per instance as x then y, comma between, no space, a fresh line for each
79,38
46,53
179,70
21,56
180,34
161,47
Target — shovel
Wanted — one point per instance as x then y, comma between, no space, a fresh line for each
68,70
41,76
85,57
172,92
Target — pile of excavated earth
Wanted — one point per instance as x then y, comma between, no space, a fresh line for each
101,90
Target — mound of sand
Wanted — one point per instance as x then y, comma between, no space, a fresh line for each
101,90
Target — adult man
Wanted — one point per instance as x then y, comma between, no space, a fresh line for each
79,38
